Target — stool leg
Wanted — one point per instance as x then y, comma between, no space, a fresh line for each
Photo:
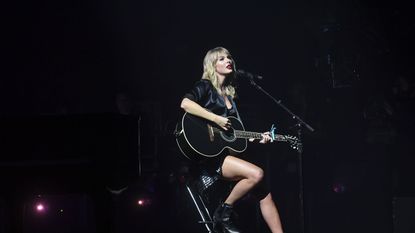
205,221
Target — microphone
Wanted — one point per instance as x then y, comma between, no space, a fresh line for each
246,74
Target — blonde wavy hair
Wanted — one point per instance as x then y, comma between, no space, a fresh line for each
209,71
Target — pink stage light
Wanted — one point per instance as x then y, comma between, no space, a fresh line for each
142,202
40,207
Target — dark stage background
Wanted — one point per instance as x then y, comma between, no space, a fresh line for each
90,94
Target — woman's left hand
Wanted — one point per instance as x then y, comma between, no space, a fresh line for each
265,138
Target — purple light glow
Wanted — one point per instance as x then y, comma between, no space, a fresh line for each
339,188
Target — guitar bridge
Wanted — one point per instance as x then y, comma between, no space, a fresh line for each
211,133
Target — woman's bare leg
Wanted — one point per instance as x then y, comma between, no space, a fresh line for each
247,173
270,213
247,176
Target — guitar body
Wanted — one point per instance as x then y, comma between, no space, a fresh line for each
200,139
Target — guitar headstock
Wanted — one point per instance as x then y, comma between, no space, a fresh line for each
294,142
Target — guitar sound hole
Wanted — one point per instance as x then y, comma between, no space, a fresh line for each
228,136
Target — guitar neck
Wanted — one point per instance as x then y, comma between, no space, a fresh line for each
247,134
256,135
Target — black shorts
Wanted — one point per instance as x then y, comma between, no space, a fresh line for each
213,166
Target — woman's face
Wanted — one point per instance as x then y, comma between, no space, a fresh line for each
224,64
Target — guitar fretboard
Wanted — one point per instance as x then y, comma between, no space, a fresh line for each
247,134
255,135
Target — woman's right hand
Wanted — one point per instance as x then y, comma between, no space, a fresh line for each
223,122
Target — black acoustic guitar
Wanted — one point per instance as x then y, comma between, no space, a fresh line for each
198,138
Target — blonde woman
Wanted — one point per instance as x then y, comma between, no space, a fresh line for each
212,99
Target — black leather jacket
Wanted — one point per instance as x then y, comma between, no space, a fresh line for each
205,94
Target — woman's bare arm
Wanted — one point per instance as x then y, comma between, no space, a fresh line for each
195,109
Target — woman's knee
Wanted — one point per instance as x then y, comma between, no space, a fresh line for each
257,175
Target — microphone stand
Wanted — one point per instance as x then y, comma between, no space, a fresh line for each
300,123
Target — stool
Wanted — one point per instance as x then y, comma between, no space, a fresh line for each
203,211
199,186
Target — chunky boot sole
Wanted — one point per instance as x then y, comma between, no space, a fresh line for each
221,220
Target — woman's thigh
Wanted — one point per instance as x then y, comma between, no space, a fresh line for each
234,168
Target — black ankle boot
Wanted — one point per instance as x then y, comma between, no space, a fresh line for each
222,219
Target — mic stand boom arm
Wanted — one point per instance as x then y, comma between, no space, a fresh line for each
299,125
294,116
